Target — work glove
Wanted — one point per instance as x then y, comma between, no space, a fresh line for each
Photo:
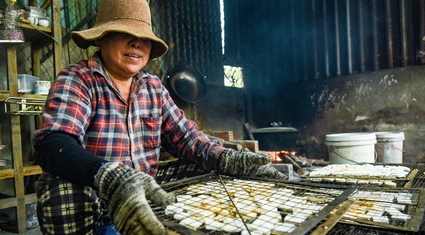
236,163
127,191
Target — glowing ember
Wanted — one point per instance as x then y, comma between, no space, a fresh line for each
275,155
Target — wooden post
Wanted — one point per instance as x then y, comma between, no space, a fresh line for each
12,71
57,34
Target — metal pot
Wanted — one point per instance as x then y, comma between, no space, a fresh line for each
276,138
187,83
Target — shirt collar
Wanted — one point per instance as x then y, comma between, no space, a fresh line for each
95,64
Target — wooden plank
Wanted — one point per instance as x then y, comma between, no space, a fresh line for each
252,145
1,158
32,170
30,198
172,233
7,174
8,203
57,33
36,57
225,135
35,33
231,145
333,219
12,202
410,178
3,96
18,168
46,4
313,221
32,3
248,130
12,70
16,142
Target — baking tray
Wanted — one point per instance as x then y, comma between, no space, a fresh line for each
267,195
392,209
415,178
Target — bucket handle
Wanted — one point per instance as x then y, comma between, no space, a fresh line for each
341,155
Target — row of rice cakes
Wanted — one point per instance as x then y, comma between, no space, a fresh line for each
379,206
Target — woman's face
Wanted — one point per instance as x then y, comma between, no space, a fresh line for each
123,54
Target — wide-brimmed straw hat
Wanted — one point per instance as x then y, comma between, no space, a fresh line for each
126,16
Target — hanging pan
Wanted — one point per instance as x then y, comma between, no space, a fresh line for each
187,83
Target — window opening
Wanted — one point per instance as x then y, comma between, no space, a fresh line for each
233,76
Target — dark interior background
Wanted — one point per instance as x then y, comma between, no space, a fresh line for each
320,66
326,66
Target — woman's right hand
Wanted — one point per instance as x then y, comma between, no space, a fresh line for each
127,190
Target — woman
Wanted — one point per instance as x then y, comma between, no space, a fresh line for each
104,122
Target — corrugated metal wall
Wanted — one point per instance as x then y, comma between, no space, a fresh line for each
192,30
293,40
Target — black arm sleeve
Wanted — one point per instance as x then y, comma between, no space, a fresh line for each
60,154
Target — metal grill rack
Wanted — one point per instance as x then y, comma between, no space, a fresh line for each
348,229
415,178
413,183
418,180
210,204
397,209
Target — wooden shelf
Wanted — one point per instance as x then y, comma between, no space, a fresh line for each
7,172
4,96
32,33
32,170
37,35
13,202
31,30
36,38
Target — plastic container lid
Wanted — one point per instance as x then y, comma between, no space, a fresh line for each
350,137
390,135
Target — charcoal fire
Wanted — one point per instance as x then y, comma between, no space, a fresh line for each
290,156
298,161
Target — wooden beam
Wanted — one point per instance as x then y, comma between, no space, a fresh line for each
46,4
7,174
32,170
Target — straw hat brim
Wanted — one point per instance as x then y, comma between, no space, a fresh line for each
86,38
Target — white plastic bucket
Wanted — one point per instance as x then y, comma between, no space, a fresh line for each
389,147
351,148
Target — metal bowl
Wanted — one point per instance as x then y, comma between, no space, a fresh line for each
187,83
